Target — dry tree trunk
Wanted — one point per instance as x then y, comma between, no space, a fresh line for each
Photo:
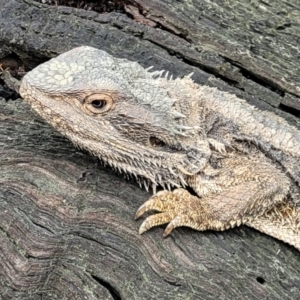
66,224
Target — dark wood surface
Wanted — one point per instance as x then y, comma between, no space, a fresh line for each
66,224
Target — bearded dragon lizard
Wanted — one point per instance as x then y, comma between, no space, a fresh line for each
241,164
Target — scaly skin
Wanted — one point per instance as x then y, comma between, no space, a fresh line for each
242,163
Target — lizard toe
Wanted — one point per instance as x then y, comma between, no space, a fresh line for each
178,208
178,221
161,201
155,220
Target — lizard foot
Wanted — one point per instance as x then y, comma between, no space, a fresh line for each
178,208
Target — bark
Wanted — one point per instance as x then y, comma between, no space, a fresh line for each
66,225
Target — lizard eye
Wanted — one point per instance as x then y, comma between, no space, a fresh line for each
98,103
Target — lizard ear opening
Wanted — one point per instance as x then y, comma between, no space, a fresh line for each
98,103
155,142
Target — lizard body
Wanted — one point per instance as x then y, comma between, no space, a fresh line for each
242,163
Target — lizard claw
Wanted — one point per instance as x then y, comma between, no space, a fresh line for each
174,208
155,220
152,204
176,222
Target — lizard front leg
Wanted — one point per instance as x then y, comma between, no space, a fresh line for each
241,191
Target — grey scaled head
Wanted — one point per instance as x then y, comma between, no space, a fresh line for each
131,118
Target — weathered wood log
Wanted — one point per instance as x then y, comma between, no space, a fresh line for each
66,225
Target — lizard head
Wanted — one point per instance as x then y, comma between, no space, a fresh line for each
133,119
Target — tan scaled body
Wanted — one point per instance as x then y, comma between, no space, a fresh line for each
243,164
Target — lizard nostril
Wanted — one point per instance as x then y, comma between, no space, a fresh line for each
155,142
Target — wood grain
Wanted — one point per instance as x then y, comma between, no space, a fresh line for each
67,226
